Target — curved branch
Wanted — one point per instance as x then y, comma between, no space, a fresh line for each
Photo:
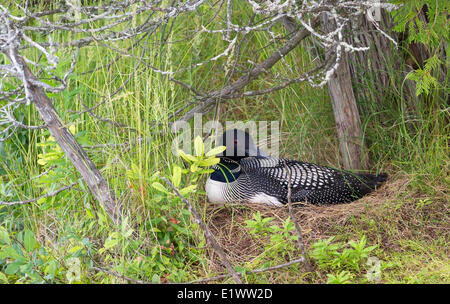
231,90
83,164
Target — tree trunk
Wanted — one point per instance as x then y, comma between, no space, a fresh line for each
82,163
346,114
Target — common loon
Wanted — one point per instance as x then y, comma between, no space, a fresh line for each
247,174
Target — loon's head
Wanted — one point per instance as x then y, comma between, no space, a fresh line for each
239,145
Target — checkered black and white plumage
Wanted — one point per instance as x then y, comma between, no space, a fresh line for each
264,180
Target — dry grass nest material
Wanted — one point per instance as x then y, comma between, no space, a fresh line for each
392,211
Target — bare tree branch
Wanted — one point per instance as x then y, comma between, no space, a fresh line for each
38,198
232,89
37,176
96,183
223,276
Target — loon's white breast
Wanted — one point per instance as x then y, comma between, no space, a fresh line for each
220,192
214,190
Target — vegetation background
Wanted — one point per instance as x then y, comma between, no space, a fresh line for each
68,238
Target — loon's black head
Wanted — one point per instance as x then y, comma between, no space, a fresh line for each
239,145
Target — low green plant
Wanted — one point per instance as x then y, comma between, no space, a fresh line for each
259,225
423,202
23,259
341,277
432,34
198,166
281,239
173,227
348,259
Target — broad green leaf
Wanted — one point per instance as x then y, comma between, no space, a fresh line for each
127,233
215,151
155,175
12,268
134,172
198,146
176,176
187,157
75,249
72,129
156,279
41,161
208,162
159,187
194,168
189,189
124,225
110,242
51,268
4,236
9,252
29,241
3,278
135,169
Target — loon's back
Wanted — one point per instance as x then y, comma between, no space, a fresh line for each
266,179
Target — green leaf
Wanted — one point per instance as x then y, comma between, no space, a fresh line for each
4,236
215,151
9,252
135,169
194,168
160,187
29,241
208,162
111,241
51,268
156,279
75,249
126,234
187,157
41,161
176,176
199,147
189,189
3,278
13,267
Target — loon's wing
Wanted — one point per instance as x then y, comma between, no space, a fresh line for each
311,182
303,175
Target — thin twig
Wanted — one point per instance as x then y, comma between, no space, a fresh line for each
229,91
223,276
38,198
37,176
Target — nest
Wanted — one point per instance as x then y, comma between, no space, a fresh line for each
391,205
